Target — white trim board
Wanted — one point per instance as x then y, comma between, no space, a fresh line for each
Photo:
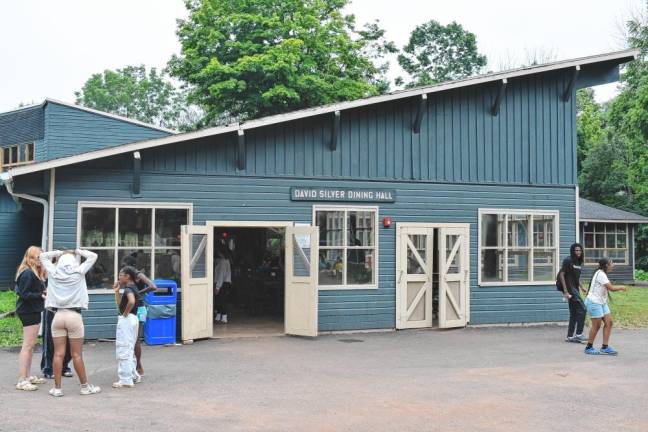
376,246
481,211
621,221
622,56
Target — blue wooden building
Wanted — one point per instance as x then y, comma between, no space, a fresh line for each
43,132
438,206
609,232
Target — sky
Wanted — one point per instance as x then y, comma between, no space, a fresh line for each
50,48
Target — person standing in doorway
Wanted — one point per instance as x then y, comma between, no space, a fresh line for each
597,307
144,285
30,301
127,323
569,278
67,295
222,282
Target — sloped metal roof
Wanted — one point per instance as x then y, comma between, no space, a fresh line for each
591,211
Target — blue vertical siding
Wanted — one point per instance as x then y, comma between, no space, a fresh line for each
531,141
235,198
70,131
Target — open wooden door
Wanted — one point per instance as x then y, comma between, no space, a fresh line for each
414,267
454,274
197,249
301,280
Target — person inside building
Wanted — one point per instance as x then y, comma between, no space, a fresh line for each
144,285
597,307
569,279
222,282
67,295
30,301
127,323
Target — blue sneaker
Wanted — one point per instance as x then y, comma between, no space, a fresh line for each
609,351
592,351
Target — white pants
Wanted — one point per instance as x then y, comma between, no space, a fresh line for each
125,348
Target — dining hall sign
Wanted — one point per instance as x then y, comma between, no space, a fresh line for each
342,194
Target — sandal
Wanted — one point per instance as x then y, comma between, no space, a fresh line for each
26,386
56,392
36,380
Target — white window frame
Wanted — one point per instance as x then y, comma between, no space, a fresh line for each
21,154
119,205
345,208
626,250
506,247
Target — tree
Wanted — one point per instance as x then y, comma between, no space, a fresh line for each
134,92
251,58
590,129
437,53
615,171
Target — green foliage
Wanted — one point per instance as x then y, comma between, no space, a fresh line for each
641,275
590,129
612,142
437,53
10,327
134,92
251,58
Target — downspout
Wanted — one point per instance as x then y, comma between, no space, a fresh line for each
7,180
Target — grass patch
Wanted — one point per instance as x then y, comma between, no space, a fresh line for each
630,308
10,327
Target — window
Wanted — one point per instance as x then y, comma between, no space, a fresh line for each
605,240
347,246
149,234
19,154
517,246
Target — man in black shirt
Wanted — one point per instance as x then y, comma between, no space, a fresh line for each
569,277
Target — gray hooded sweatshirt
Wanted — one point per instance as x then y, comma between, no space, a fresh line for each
66,284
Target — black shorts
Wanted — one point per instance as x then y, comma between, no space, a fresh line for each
30,319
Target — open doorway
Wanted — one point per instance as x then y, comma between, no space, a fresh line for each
252,304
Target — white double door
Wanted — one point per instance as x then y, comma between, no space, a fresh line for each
301,295
416,256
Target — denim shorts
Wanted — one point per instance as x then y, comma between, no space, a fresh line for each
596,310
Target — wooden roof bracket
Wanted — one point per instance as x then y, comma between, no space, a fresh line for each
240,150
137,173
416,126
335,131
572,82
498,98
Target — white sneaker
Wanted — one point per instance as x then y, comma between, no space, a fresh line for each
218,317
90,390
224,319
137,379
26,386
56,392
119,384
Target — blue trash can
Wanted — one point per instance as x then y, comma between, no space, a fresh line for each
160,325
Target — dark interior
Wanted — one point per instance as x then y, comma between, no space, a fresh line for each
257,261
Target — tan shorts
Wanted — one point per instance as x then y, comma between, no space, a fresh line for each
68,323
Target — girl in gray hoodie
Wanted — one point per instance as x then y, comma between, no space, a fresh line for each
67,295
